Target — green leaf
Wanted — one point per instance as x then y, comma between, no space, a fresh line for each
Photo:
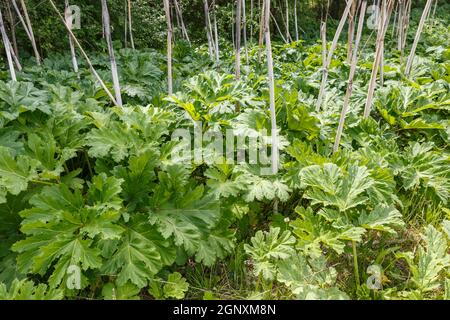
186,219
138,177
126,292
329,186
136,258
15,173
268,247
215,245
114,141
309,279
176,286
313,231
27,290
61,230
431,261
382,218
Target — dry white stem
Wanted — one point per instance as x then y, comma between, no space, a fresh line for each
112,58
71,45
331,52
273,117
382,28
8,49
130,24
30,30
89,62
417,37
351,76
169,47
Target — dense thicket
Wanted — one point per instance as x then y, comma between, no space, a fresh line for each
149,24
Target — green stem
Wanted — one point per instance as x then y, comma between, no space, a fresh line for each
88,163
42,182
355,265
258,282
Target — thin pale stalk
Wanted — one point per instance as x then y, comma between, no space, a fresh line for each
112,58
323,36
30,30
296,20
71,45
417,37
244,30
406,26
216,35
125,38
434,12
13,28
130,24
89,62
183,26
270,73
331,52
288,35
238,40
169,47
238,45
261,31
251,21
382,28
351,76
8,49
278,28
351,30
208,29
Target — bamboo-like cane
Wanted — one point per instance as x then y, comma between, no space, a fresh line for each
401,21
351,76
251,20
30,30
382,28
270,74
27,31
208,29
13,46
261,31
13,28
14,56
112,58
8,49
169,47
89,62
238,46
244,30
323,36
406,25
273,115
71,45
125,17
395,20
130,24
417,37
296,20
183,26
238,40
216,34
278,29
351,30
434,12
288,34
330,54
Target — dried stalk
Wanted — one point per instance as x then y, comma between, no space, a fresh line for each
351,76
330,54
